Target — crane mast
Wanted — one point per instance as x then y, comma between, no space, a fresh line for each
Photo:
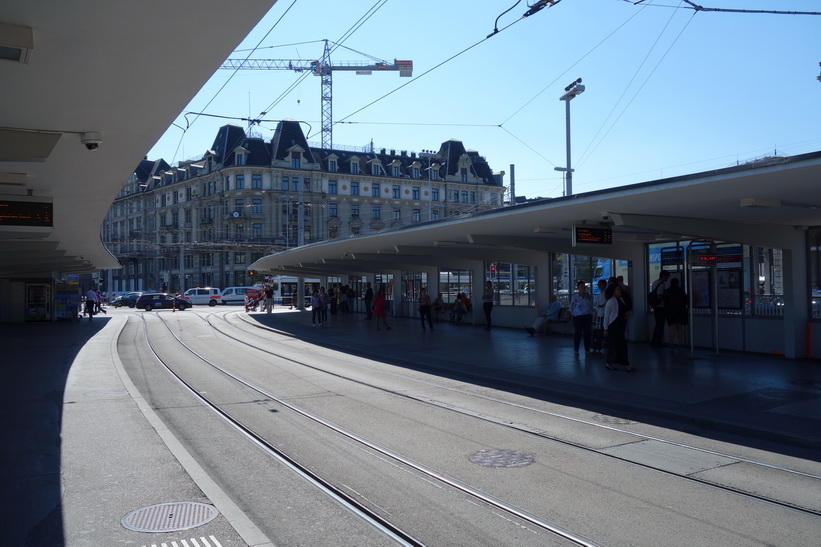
323,68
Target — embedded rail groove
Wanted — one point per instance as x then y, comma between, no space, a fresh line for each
360,509
542,434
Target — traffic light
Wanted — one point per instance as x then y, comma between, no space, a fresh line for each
493,270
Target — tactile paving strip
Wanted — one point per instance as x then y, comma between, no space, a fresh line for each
502,458
169,517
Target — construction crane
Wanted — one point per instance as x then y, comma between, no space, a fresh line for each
325,69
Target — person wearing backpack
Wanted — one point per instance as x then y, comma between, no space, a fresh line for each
655,299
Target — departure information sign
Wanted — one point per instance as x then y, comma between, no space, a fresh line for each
590,235
26,213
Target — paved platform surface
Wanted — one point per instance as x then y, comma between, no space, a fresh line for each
55,371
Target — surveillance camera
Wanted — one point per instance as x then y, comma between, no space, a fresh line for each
91,140
605,215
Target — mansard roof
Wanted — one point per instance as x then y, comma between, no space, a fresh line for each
288,134
228,138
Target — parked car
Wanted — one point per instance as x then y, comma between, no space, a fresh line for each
157,301
236,295
203,295
128,299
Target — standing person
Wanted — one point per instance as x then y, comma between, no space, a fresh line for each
656,300
581,307
676,304
269,298
342,299
316,307
487,302
615,321
332,298
367,299
601,300
424,308
99,300
91,303
379,308
323,306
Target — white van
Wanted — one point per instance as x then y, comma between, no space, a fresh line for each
203,295
236,295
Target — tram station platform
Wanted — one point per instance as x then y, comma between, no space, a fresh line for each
68,413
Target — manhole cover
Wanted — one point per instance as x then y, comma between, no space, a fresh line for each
501,458
169,517
612,420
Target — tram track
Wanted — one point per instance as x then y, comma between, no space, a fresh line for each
360,509
285,363
540,433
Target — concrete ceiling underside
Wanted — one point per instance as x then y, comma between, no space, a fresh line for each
124,70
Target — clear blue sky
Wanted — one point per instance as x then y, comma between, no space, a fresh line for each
668,91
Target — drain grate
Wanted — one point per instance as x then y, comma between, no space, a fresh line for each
612,420
501,458
169,517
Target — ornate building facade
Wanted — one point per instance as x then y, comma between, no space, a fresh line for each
203,222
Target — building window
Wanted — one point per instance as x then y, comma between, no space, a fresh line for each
374,169
239,182
464,196
239,231
295,184
456,196
415,192
239,258
434,215
332,166
397,213
434,194
417,215
295,160
256,182
354,188
354,168
332,230
256,206
464,174
375,189
332,210
256,230
396,192
376,212
415,172
473,197
284,185
241,158
354,230
394,171
434,174
354,211
239,205
332,187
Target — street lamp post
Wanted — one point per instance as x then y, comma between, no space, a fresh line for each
574,89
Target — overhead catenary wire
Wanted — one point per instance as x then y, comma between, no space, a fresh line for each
224,85
670,47
582,156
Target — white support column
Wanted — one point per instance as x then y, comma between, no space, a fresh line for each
796,292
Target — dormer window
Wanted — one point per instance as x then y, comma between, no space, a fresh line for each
332,166
241,158
296,160
354,168
395,170
375,169
415,172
